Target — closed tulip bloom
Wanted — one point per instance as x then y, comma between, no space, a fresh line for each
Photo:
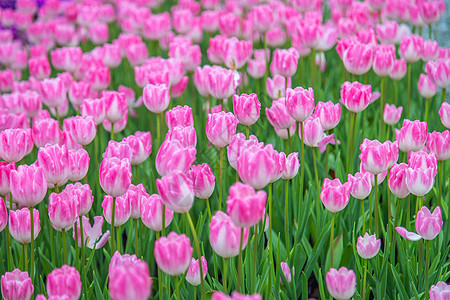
186,136
420,181
398,70
176,191
179,116
392,114
156,97
129,278
15,144
5,175
151,212
358,58
412,135
237,145
173,253
356,96
334,195
361,185
439,72
291,166
428,224
422,160
444,113
120,150
64,281
440,291
374,156
141,146
31,103
426,87
54,160
439,144
256,68
79,91
135,194
20,225
430,50
3,214
220,128
201,80
98,33
368,246
45,131
236,53
245,206
203,180
53,92
383,60
225,236
313,132
256,166
23,192
82,129
221,82
112,56
276,88
341,283
329,114
287,271
397,180
115,176
63,210
118,126
82,193
78,164
16,285
411,48
247,108
172,156
278,114
263,18
387,31
94,108
300,103
283,133
116,105
122,210
39,67
284,62
193,273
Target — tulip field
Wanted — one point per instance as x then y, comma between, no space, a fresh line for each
224,149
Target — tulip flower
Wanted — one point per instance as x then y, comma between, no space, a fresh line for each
16,285
193,273
341,283
173,253
64,281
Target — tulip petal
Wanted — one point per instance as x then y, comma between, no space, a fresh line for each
407,234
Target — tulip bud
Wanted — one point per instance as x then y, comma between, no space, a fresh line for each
20,225
151,212
368,246
341,283
193,273
16,285
64,281
173,253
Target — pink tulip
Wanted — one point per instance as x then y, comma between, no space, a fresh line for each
116,105
17,285
173,253
20,225
39,67
78,164
140,145
300,103
93,236
94,108
3,214
203,180
397,180
224,236
220,128
439,72
276,88
54,160
236,53
334,195
63,210
439,291
412,135
428,225
444,113
193,273
398,70
392,114
156,97
230,24
15,144
176,191
420,181
328,113
426,87
98,77
245,206
263,18
287,271
186,136
53,92
151,212
82,129
64,281
283,133
79,91
98,33
291,166
387,31
256,68
122,209
135,195
235,296
179,116
5,175
411,48
383,60
358,58
136,53
118,126
361,185
341,283
256,166
129,278
82,194
6,80
237,145
374,156
439,144
115,176
172,156
430,50
111,55
120,150
356,96
313,133
221,83
368,246
31,103
178,89
23,192
246,108
66,58
278,115
284,62
157,26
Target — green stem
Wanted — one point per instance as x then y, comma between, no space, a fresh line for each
158,130
408,98
136,244
112,237
444,95
370,211
408,213
382,98
302,168
63,231
32,245
247,131
363,217
25,256
313,55
427,263
316,176
209,209
289,140
220,176
197,247
286,218
364,280
376,204
177,287
331,240
395,92
427,108
119,240
441,180
350,145
8,248
160,291
112,131
83,259
239,287
393,241
224,275
77,252
255,253
163,229
272,271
